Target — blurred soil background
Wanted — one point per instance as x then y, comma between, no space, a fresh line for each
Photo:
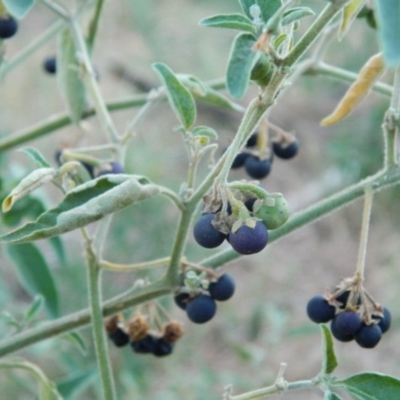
265,323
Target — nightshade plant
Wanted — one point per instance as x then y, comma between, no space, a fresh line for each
267,54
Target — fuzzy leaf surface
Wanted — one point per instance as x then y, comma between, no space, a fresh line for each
241,62
179,97
229,21
268,8
245,5
296,13
329,361
68,76
388,16
35,274
83,205
331,396
18,8
371,386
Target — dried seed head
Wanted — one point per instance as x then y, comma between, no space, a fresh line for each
172,332
138,328
112,323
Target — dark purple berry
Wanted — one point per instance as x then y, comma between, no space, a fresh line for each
256,168
319,310
119,337
205,234
50,65
239,160
248,240
348,322
223,289
8,26
201,309
145,345
338,334
286,151
162,348
252,140
114,168
368,336
181,300
385,321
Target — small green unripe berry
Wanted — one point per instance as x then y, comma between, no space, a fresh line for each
274,212
262,71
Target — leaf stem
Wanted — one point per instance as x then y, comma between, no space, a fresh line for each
362,251
96,312
134,267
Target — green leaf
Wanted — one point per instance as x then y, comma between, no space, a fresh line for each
268,8
371,386
229,21
35,274
36,305
205,131
241,62
245,5
328,395
349,14
84,204
215,98
180,98
294,14
36,156
329,361
35,179
388,16
279,40
73,385
68,75
18,8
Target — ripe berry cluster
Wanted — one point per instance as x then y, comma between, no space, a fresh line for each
8,26
248,236
350,321
201,306
258,164
142,341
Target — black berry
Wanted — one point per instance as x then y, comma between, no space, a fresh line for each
181,300
201,309
368,336
252,140
248,240
239,160
385,321
205,234
8,27
348,322
145,345
342,298
340,335
223,289
50,65
286,151
249,203
256,168
319,310
162,348
119,337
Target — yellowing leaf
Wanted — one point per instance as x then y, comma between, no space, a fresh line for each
349,14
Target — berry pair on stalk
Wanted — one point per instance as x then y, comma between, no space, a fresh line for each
142,340
351,319
200,304
244,224
257,156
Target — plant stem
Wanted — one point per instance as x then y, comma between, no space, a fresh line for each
96,312
89,78
94,24
362,251
7,66
134,267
